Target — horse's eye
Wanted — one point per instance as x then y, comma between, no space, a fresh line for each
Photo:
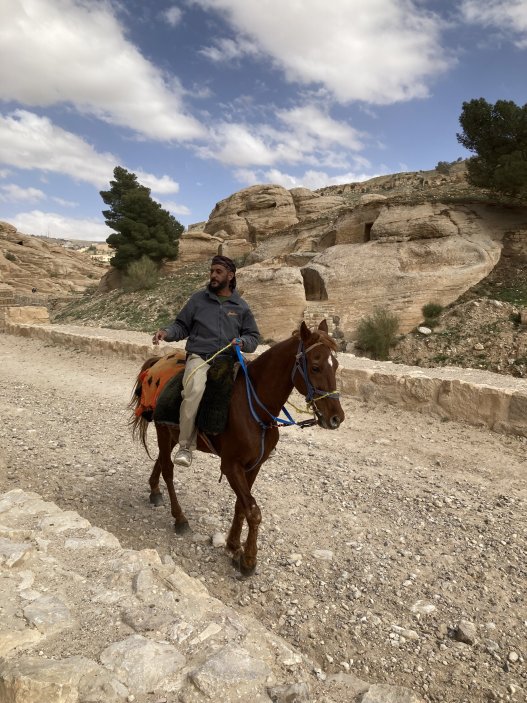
315,368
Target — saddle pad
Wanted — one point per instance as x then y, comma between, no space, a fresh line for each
213,410
153,380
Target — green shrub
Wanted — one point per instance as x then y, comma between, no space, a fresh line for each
377,333
140,275
443,167
10,256
431,310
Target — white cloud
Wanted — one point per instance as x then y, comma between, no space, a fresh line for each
28,141
225,49
65,203
377,51
75,53
507,15
54,225
13,192
176,208
310,179
309,120
162,185
4,172
173,15
309,135
237,145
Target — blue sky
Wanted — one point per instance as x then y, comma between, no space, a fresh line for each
201,98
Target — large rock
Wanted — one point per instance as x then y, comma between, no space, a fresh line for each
31,262
198,246
24,315
406,222
276,296
253,213
309,203
401,276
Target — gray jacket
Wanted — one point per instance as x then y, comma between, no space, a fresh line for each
211,324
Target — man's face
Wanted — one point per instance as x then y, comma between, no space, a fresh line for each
220,277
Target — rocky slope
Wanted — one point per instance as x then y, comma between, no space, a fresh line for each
33,262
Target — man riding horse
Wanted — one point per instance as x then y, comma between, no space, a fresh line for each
211,320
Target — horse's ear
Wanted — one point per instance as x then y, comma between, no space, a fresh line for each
305,334
323,327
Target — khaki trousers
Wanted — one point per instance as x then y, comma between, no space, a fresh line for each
193,388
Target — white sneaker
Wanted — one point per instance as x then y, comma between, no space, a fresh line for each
183,457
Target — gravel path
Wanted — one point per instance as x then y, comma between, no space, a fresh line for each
382,544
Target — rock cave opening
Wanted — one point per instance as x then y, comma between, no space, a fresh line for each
314,286
367,231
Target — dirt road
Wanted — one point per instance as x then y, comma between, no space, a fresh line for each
383,544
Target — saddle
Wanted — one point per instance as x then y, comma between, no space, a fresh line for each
160,389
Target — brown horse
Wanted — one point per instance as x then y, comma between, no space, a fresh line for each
304,361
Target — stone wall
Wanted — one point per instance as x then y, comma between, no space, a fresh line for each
85,621
478,397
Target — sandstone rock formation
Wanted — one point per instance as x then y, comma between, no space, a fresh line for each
276,296
376,252
253,213
30,262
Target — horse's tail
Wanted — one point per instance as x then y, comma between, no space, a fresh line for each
138,423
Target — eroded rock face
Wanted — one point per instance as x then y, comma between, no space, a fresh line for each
198,246
253,213
405,222
401,276
276,297
27,262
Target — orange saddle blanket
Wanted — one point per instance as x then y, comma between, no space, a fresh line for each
152,380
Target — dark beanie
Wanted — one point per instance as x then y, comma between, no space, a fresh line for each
229,265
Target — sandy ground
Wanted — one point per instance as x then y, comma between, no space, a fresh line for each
382,545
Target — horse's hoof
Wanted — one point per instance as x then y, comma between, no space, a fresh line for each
156,499
181,528
240,565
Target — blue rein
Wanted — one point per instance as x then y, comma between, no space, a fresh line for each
301,366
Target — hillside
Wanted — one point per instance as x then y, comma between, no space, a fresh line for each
28,262
481,329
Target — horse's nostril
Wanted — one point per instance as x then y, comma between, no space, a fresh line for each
334,422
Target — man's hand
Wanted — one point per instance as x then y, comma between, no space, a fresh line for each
159,336
237,342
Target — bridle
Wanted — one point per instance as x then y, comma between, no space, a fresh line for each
300,365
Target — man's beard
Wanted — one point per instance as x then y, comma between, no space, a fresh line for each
214,287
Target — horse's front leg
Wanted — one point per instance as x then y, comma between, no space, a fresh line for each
234,537
166,443
246,507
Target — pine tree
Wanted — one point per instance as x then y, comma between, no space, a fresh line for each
141,226
498,135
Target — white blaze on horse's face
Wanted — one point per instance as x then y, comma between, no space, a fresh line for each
330,360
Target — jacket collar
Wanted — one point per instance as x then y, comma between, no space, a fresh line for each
233,298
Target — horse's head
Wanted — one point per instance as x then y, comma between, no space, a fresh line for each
315,372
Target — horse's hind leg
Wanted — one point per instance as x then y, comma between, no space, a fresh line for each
156,497
165,465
